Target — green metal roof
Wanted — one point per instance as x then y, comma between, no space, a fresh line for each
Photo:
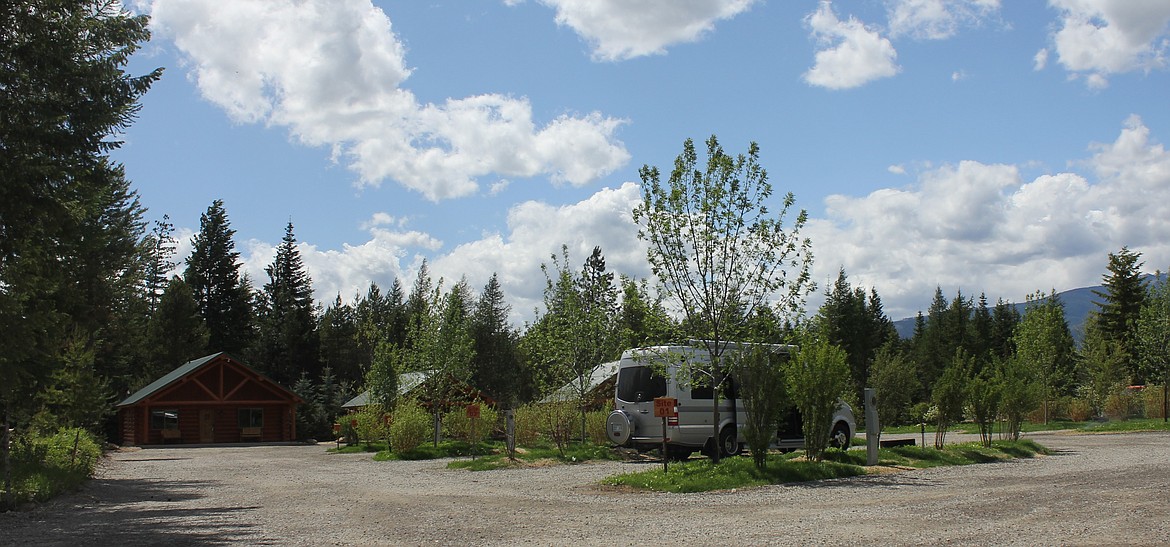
168,379
407,381
184,370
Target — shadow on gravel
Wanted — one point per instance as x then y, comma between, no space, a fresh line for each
131,512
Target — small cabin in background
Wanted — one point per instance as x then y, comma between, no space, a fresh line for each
213,399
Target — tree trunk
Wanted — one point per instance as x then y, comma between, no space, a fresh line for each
4,441
438,426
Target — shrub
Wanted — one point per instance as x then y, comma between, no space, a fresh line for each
456,424
1123,404
1080,410
595,425
816,378
1152,397
527,420
412,426
371,424
46,465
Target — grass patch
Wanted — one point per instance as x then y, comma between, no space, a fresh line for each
702,476
973,429
1126,426
360,448
574,453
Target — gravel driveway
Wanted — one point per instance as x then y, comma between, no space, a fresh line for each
1094,489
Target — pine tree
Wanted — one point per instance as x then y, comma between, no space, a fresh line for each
496,365
175,334
213,275
1121,305
337,331
63,95
287,343
159,246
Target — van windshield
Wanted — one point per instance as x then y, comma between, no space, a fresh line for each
638,384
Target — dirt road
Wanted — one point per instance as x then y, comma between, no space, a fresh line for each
1095,489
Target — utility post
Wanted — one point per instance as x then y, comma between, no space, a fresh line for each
872,428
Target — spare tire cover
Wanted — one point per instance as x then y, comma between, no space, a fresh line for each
618,427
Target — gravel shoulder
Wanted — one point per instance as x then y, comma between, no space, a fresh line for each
1093,489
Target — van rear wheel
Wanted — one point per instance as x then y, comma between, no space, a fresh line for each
728,443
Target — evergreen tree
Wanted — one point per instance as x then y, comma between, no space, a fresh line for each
337,331
175,334
496,365
644,320
1121,305
856,323
213,275
63,95
1046,346
287,335
159,246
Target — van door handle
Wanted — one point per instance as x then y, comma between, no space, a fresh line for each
643,411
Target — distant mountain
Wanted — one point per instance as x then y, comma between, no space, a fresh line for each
1077,305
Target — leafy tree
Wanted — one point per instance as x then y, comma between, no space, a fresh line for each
287,342
213,275
64,95
382,378
439,343
760,371
1043,340
1123,298
718,250
983,398
579,331
1101,368
1153,338
1020,392
950,394
496,365
817,378
896,381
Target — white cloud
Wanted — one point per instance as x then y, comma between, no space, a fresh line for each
981,228
618,29
332,71
1040,60
936,19
1099,38
852,54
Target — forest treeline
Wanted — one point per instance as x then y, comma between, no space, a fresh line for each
90,311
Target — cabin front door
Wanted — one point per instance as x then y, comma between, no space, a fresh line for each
206,426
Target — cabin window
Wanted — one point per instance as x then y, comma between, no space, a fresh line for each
639,384
251,417
164,419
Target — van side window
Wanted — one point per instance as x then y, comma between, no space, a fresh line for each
702,392
639,384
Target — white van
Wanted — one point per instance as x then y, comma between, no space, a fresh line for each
632,423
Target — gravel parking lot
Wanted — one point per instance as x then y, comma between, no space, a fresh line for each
1094,489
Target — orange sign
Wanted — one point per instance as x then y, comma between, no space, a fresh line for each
472,411
664,407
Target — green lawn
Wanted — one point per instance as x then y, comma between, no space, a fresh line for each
700,475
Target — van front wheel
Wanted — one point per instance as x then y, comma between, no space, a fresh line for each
728,443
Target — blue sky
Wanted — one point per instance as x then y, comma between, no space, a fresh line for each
973,145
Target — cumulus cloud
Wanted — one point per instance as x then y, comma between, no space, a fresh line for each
936,19
982,228
332,72
535,230
618,30
852,54
1099,38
